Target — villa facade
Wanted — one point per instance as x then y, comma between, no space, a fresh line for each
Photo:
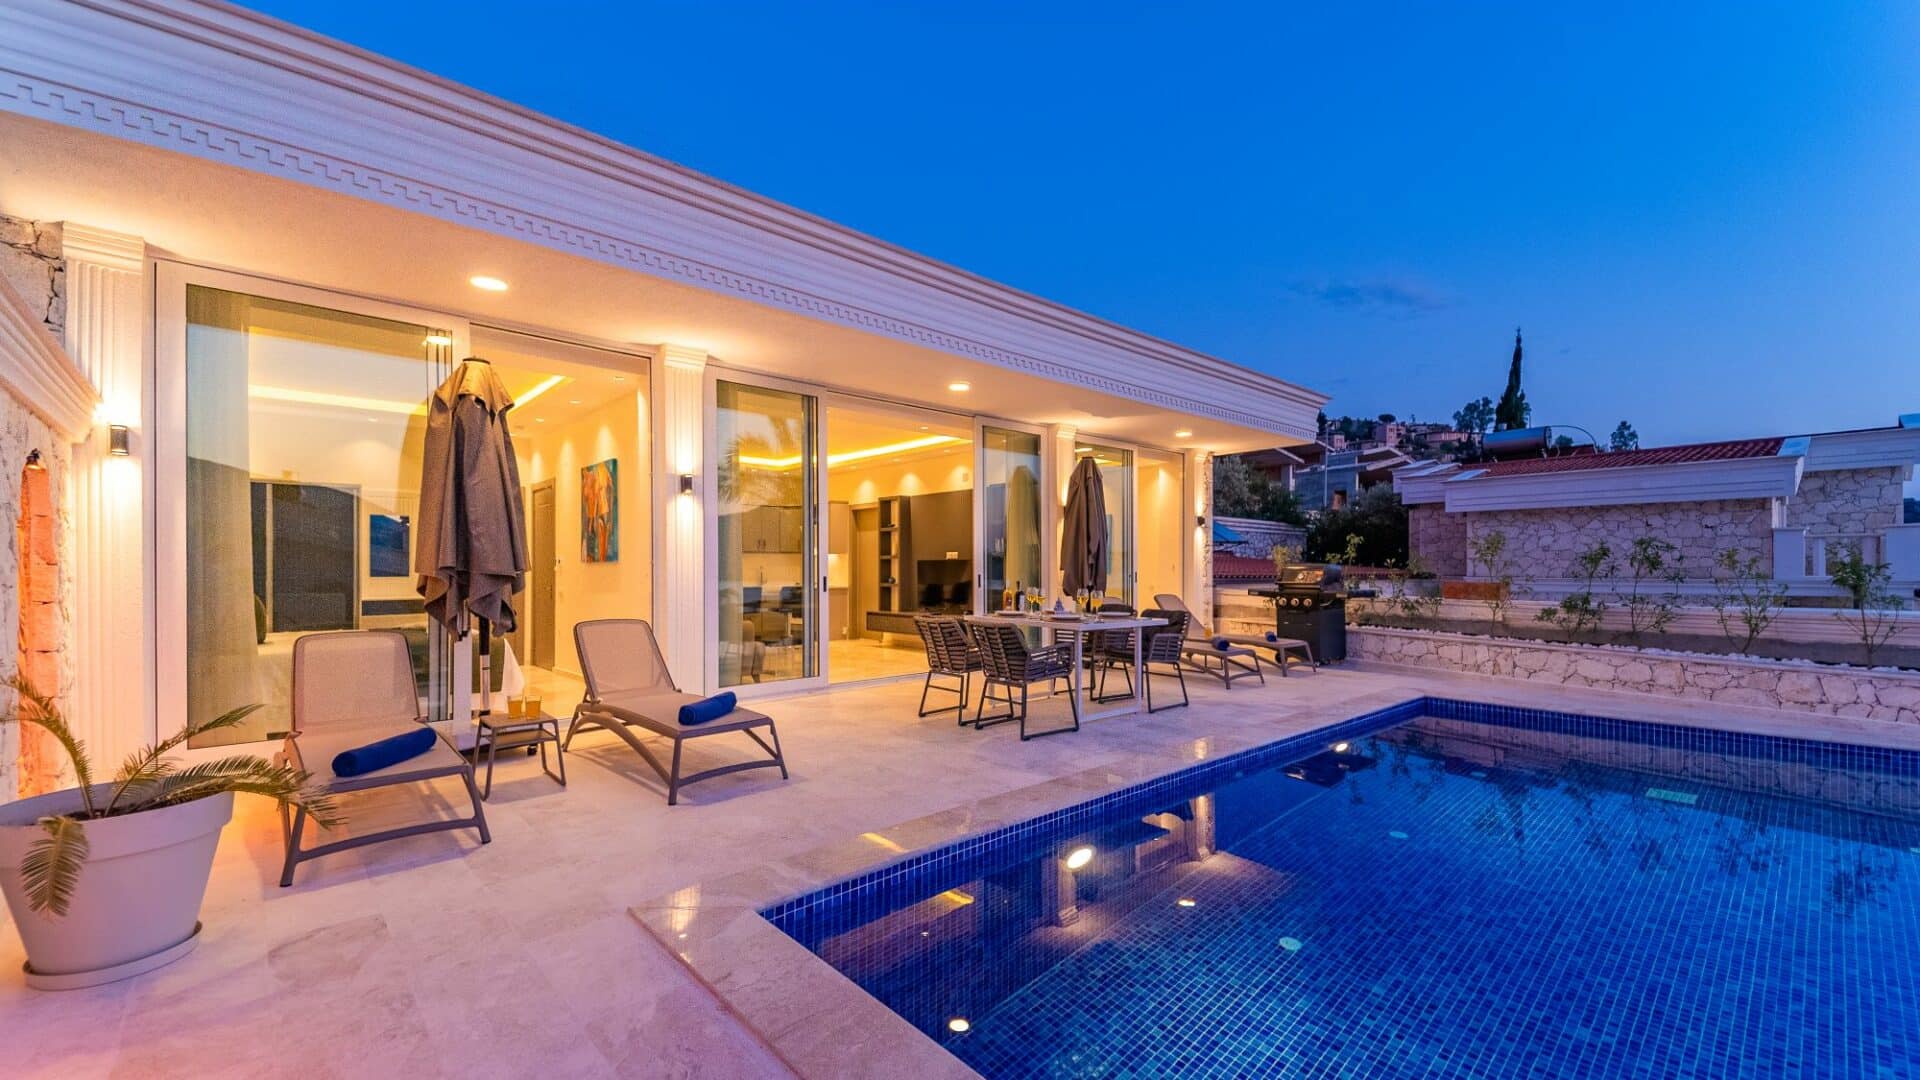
236,258
1790,503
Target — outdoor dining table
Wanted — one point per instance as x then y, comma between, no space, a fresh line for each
1077,628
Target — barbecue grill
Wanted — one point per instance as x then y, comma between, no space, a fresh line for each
1309,603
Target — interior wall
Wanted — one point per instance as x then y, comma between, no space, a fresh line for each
584,590
1162,524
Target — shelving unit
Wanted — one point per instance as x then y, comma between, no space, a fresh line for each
894,566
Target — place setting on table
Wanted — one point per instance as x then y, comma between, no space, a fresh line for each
1089,612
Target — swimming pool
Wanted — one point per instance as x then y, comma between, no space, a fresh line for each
1439,888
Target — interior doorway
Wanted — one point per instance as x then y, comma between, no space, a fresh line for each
900,534
540,572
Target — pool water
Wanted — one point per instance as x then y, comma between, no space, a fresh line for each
1440,889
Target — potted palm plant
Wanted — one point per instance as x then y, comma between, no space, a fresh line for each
105,879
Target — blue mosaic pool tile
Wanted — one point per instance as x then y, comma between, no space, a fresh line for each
1467,890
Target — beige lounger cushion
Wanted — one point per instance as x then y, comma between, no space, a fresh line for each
315,750
659,712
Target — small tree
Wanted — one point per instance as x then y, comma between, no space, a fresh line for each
1376,517
1475,417
1581,610
1489,553
1649,560
1624,438
1874,615
1405,601
1746,599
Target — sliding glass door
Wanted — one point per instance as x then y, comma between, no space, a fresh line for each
1116,483
1011,485
301,426
768,586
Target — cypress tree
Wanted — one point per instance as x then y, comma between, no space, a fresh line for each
1513,410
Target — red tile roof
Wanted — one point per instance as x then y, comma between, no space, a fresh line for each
1230,567
1627,459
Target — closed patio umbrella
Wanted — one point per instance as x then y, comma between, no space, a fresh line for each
1083,546
470,553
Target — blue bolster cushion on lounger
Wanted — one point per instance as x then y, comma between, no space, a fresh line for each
706,709
1222,644
1271,636
378,755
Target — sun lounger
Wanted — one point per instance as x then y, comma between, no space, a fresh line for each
630,690
352,688
1204,635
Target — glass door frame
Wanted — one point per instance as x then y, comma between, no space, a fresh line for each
169,478
712,377
1129,522
1049,505
908,413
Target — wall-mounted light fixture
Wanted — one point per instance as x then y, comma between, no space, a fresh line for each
686,483
119,440
1199,521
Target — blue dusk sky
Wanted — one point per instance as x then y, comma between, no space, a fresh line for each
1705,216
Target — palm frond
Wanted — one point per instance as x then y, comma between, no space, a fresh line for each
41,710
147,767
52,864
244,774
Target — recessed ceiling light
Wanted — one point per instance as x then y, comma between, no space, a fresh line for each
619,378
539,419
490,284
959,1025
1183,433
573,401
1079,857
959,387
1339,748
1186,901
439,339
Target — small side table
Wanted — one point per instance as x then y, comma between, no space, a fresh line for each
499,730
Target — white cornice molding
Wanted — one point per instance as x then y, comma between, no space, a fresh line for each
1744,478
232,86
115,251
38,372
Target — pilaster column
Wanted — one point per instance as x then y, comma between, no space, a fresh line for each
681,609
111,704
1199,584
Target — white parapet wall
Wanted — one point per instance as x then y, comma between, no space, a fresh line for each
1796,686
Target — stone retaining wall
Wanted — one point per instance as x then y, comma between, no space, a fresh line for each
1544,544
1823,689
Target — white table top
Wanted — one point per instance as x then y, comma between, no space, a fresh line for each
1084,624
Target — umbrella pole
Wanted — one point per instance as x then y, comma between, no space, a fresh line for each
486,667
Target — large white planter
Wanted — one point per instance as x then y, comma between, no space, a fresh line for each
137,905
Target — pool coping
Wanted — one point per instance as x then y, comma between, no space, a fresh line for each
821,1023
816,1020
